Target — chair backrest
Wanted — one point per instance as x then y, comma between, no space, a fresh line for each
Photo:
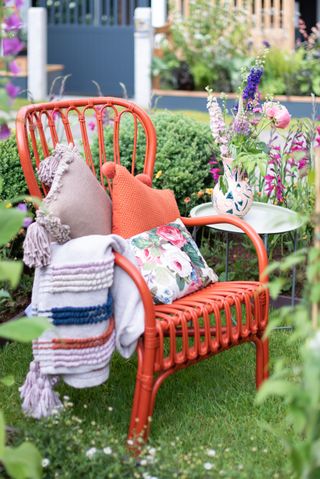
40,127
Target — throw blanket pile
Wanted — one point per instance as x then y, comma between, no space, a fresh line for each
94,309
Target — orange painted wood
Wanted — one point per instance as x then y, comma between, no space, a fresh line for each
193,328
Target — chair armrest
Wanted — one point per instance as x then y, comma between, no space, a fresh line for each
137,278
247,229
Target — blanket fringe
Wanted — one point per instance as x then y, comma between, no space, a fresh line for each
39,399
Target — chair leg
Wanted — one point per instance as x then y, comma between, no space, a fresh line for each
139,424
265,345
259,362
142,400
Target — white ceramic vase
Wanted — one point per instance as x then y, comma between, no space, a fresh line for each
232,194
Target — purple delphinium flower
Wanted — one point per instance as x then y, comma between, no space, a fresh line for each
12,90
12,46
253,81
5,131
14,67
13,22
266,44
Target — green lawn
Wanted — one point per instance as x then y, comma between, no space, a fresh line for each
208,406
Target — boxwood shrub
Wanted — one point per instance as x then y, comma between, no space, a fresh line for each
184,147
10,170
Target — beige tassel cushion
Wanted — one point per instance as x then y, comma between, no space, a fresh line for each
76,205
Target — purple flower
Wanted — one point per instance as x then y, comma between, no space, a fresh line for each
12,46
22,207
91,125
215,172
27,220
14,67
253,81
241,126
5,131
302,163
12,90
12,23
266,44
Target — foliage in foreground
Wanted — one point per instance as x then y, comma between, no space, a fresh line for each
301,393
23,462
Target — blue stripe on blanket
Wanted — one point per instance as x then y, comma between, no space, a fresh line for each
82,315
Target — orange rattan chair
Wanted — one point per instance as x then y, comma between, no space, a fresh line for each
193,328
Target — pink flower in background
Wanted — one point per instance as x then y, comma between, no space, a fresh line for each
12,90
282,118
270,109
215,170
278,113
14,67
12,23
91,125
5,131
171,234
12,46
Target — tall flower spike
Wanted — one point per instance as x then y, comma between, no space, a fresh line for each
217,125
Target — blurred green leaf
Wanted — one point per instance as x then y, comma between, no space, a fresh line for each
275,287
274,387
23,462
11,271
11,221
24,329
2,434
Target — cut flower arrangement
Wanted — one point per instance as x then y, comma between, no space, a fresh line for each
243,153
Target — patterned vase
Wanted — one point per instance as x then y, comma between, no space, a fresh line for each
232,194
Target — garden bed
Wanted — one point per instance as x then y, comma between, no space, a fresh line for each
299,106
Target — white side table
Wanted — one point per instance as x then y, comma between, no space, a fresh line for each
265,219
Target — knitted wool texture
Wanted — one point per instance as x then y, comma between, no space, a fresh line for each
93,307
135,206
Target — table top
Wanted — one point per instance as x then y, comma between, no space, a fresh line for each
263,217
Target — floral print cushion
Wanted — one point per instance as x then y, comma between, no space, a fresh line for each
170,262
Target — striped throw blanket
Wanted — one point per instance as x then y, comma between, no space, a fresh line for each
94,309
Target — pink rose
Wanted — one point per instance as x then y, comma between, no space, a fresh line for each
171,234
282,118
270,109
278,113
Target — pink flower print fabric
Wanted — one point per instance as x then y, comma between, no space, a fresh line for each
170,262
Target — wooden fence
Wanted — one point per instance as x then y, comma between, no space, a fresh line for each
271,20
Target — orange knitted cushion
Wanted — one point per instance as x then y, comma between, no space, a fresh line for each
135,206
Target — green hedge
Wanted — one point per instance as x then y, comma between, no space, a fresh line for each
184,147
10,170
